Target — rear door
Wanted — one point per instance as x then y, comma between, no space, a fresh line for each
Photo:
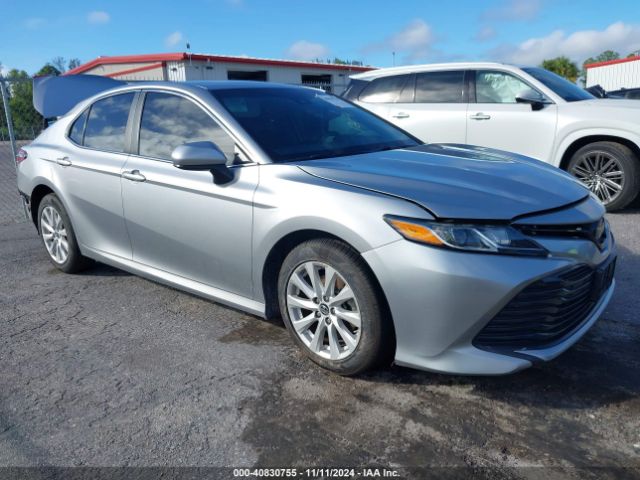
188,223
435,110
88,171
380,94
496,120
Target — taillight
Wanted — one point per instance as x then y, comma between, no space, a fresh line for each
21,156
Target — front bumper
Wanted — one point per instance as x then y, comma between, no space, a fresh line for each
441,299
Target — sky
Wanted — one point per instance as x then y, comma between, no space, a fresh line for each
519,31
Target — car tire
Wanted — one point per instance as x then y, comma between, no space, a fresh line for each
58,237
626,172
345,348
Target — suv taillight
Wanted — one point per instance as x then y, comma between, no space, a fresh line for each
21,156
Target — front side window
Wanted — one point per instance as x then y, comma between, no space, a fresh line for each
302,123
440,87
384,90
169,121
107,123
498,87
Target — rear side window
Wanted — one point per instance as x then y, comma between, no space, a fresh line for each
168,121
385,89
107,123
76,134
440,87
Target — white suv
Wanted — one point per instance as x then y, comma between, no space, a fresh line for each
526,110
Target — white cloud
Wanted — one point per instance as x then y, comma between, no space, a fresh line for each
173,39
98,16
578,46
511,10
485,33
414,41
303,50
34,23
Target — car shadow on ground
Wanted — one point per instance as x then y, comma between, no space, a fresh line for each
102,270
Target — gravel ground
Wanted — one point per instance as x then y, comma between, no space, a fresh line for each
107,369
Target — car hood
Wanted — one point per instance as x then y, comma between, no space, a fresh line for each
456,181
609,103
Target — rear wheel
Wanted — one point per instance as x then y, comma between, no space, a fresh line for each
610,170
333,309
58,236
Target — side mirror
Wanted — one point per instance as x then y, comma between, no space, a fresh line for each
198,156
533,98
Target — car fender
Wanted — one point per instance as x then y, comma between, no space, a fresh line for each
356,214
569,138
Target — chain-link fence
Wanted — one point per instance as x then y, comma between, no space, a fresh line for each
16,106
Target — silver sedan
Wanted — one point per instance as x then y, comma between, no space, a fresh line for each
286,201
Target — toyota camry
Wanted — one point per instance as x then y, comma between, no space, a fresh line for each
287,201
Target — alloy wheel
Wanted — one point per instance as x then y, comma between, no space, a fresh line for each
602,173
54,234
323,310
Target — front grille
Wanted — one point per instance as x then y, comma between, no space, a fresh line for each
548,310
594,231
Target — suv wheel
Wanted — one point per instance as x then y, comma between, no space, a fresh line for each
332,308
610,170
58,236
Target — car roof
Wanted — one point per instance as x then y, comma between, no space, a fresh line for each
383,72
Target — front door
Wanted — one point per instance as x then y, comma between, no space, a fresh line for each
496,120
188,223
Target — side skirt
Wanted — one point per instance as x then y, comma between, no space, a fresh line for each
176,281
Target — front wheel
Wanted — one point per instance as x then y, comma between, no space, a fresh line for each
333,308
610,170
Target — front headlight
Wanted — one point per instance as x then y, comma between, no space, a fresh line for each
476,238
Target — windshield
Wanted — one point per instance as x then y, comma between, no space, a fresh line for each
561,86
303,124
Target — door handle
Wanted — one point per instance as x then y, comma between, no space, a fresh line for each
64,161
480,116
134,176
401,115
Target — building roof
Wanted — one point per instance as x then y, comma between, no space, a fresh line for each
173,57
612,62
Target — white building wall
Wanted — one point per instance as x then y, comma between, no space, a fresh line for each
198,70
615,76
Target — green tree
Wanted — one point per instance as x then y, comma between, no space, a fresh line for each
73,63
48,69
562,66
27,122
59,63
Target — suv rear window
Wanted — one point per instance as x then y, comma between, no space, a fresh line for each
440,87
385,89
107,123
